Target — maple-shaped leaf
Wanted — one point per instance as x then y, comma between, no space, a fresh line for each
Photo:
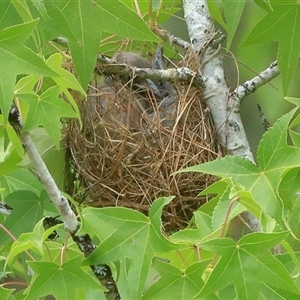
21,179
294,133
274,156
134,242
27,211
281,24
264,4
46,110
176,284
62,281
5,294
66,80
247,264
82,23
17,59
29,240
233,12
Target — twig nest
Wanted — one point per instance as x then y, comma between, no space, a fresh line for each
130,145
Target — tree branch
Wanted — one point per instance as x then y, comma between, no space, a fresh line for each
224,109
107,66
250,86
170,75
167,36
84,242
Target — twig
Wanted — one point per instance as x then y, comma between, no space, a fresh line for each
250,86
5,209
85,244
107,66
264,120
171,75
167,36
59,201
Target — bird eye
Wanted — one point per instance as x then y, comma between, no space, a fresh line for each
160,84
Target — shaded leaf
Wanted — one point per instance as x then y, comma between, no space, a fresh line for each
27,211
5,294
119,19
20,180
17,59
9,157
215,13
46,110
282,25
264,4
82,23
233,12
30,240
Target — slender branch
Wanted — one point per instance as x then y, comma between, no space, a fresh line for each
167,36
84,242
263,118
59,201
171,75
107,66
250,86
5,209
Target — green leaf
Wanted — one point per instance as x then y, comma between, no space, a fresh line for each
295,136
46,110
9,157
23,10
17,59
82,23
226,208
289,192
93,224
5,294
215,13
61,281
31,240
136,238
66,80
264,4
282,25
195,235
40,6
233,12
79,21
90,294
52,250
247,263
119,19
291,263
27,241
274,157
20,180
27,211
289,187
218,187
175,284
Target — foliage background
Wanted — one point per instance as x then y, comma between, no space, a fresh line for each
199,261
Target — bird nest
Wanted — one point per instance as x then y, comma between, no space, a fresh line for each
125,157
